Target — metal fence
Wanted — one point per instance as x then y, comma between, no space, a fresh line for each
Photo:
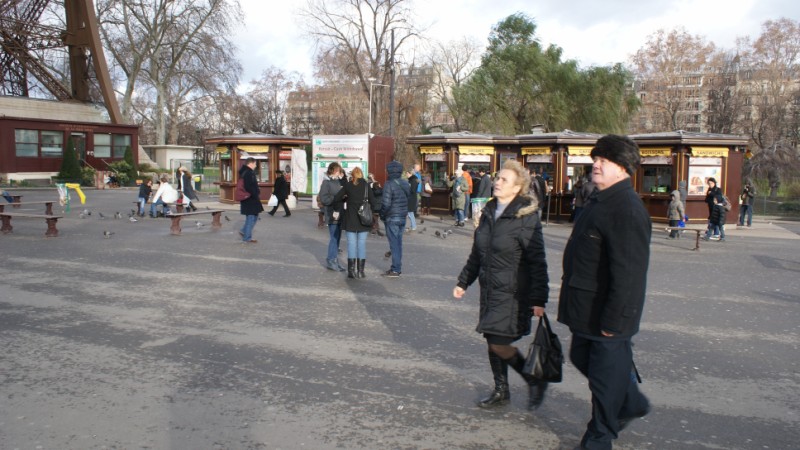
777,206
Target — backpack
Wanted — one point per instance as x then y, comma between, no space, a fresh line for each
726,203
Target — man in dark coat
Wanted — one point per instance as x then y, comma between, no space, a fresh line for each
394,209
281,192
603,290
251,206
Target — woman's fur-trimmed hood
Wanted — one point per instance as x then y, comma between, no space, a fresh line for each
529,204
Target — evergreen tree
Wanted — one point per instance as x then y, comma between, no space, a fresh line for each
70,170
133,171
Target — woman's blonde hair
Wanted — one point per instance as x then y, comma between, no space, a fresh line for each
357,174
523,176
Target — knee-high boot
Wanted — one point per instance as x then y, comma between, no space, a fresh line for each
500,395
360,264
351,268
536,388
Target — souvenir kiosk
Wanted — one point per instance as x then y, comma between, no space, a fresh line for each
267,149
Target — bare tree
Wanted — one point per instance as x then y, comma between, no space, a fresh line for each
266,100
670,68
177,48
724,100
360,31
453,62
771,68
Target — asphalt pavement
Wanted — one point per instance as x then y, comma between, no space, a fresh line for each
118,335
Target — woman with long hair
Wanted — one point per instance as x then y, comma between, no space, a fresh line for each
334,180
355,193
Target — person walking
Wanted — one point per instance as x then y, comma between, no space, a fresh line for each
485,186
746,205
711,195
539,188
333,182
425,195
675,214
508,260
281,192
458,186
413,182
716,222
467,194
354,193
377,192
603,290
250,207
186,189
394,210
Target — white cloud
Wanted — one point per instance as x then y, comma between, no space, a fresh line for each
589,31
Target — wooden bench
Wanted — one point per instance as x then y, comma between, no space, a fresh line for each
175,227
51,220
48,205
15,198
696,230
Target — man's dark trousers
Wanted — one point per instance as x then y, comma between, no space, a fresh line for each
608,364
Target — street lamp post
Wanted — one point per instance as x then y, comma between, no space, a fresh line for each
369,129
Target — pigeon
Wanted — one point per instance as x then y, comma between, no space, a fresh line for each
117,215
133,212
227,218
82,215
102,217
387,254
199,224
86,212
440,235
448,231
107,234
132,219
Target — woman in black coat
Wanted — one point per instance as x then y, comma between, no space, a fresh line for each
354,193
508,260
711,193
251,206
281,192
413,181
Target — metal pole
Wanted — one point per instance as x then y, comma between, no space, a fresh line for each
391,89
369,130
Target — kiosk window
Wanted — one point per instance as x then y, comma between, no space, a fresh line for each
657,179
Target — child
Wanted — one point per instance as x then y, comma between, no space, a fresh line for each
144,194
675,214
716,223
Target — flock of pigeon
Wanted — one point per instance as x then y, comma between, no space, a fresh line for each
131,218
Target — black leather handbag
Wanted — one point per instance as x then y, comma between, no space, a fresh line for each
365,210
545,360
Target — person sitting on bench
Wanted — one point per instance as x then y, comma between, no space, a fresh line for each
165,195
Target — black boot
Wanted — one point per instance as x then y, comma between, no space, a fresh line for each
351,268
360,264
536,388
500,395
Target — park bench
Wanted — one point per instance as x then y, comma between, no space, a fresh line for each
48,205
696,230
14,198
175,226
51,220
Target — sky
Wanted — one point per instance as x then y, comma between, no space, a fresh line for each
593,32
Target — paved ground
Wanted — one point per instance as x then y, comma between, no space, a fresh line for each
146,340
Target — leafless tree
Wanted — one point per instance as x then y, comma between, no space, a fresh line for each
453,62
672,65
360,31
771,68
176,48
724,100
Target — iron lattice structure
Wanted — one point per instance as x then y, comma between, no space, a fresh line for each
23,38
